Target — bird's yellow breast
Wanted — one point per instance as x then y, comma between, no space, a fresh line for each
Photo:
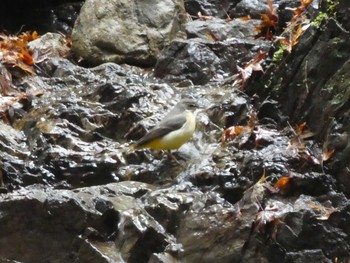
175,139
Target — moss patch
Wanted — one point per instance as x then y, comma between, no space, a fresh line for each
331,12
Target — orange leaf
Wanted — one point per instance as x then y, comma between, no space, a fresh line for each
26,57
301,127
14,52
212,37
325,212
242,133
232,132
283,183
300,9
269,21
244,18
326,155
25,67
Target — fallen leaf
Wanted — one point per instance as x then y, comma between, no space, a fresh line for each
212,37
239,133
267,220
283,184
14,52
326,155
269,22
256,193
300,9
253,65
324,212
244,18
298,140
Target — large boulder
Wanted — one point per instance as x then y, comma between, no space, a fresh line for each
124,31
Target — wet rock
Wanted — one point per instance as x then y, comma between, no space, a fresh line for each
48,45
258,192
253,8
90,115
220,29
209,7
202,61
73,222
322,94
126,32
341,8
214,51
86,222
307,256
187,56
162,258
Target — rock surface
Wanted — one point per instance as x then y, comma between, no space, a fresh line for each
123,31
316,90
218,9
212,51
262,191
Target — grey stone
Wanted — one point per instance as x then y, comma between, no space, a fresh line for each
124,31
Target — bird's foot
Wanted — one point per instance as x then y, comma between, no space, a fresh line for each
171,156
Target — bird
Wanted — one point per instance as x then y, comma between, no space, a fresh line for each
175,129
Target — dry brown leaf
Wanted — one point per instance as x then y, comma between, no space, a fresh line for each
269,22
267,220
212,37
300,9
295,31
253,65
256,193
14,52
231,133
301,127
326,155
244,18
325,212
241,133
298,140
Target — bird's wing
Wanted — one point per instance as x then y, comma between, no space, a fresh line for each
163,128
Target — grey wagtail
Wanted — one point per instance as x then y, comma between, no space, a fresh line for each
174,130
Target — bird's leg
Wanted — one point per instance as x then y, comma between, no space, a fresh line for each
170,155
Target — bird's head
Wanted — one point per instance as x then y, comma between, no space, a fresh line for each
187,104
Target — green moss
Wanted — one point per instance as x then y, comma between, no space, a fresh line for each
278,55
332,4
330,13
320,19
